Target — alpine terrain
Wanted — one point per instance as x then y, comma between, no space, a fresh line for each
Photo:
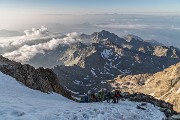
146,73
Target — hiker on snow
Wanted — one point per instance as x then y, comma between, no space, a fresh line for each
82,100
86,99
113,97
101,96
93,98
108,96
117,95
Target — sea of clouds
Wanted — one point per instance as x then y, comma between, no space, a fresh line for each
25,49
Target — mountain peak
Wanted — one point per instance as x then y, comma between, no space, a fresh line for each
106,32
107,36
102,34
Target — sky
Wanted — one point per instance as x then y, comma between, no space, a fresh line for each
87,6
18,13
88,16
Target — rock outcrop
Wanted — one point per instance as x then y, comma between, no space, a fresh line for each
39,79
164,85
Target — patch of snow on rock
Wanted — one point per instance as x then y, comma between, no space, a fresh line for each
106,53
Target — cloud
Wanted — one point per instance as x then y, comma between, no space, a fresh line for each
37,32
175,27
73,35
123,26
30,35
26,52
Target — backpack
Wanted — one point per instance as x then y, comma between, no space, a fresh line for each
117,94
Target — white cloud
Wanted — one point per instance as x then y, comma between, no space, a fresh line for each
123,26
26,52
73,35
37,32
30,35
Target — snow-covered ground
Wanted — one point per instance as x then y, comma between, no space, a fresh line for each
18,102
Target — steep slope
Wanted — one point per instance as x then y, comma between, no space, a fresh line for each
21,103
164,85
50,58
39,79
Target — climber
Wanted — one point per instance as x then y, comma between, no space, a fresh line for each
99,96
117,95
86,99
108,96
102,96
82,99
113,97
93,98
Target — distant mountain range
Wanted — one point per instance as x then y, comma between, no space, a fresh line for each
84,67
104,57
128,43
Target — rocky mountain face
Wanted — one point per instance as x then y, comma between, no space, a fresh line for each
50,58
62,54
39,79
88,67
164,85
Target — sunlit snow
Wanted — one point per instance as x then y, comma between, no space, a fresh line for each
18,102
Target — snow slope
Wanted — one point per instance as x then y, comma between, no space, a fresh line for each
18,102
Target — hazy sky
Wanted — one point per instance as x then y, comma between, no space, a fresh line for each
87,6
17,13
64,15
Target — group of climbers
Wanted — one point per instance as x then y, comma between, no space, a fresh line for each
102,96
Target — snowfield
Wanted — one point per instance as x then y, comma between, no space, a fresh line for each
18,102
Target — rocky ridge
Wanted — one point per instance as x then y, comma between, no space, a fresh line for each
39,79
164,85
